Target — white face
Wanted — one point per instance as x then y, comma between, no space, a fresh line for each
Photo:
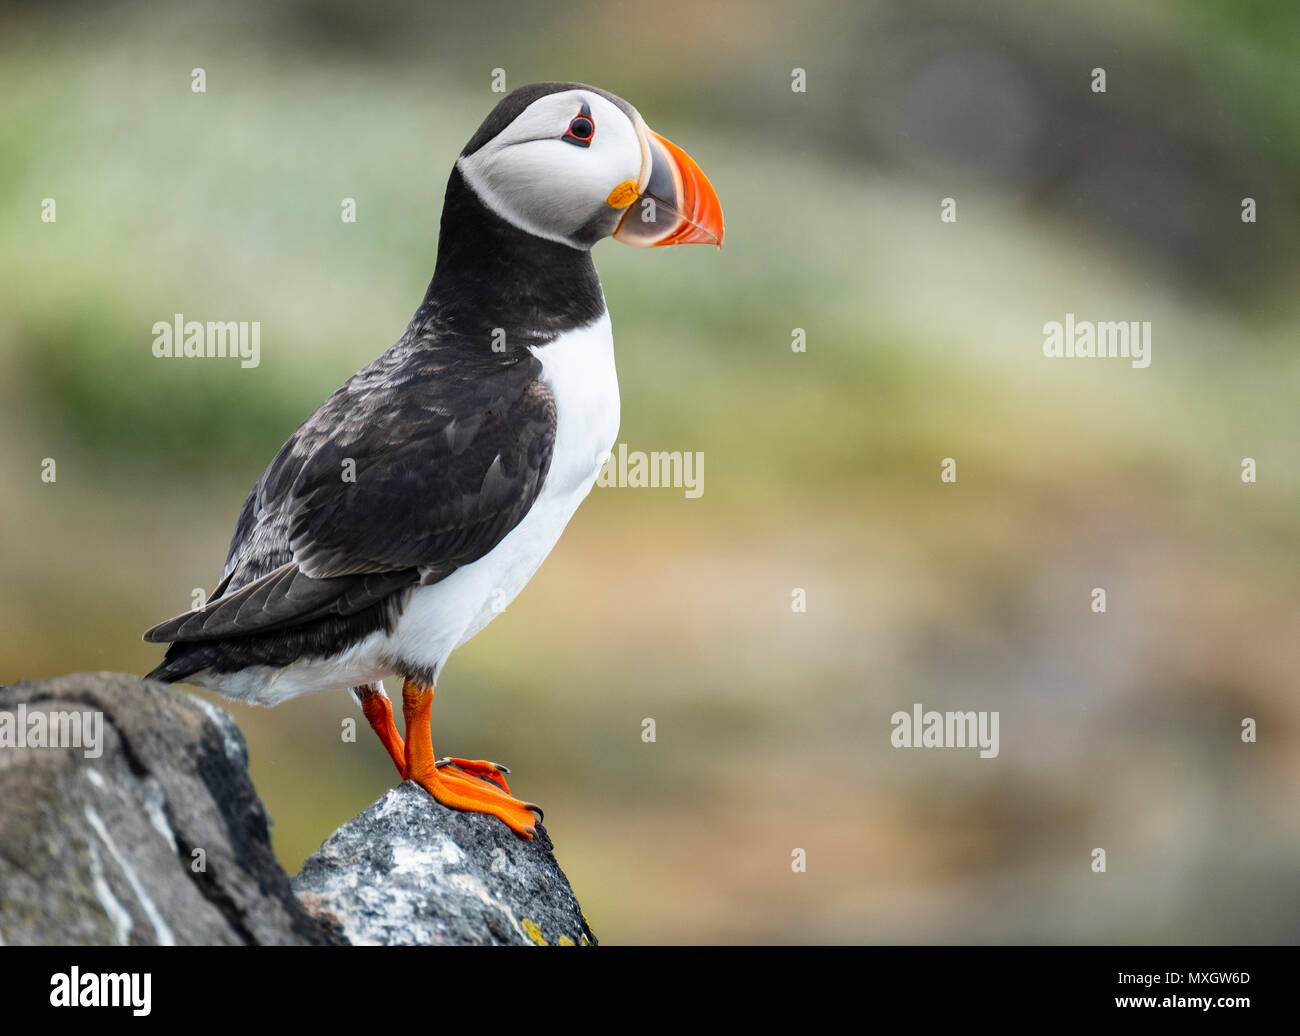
550,186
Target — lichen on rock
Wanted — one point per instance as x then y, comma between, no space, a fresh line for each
411,872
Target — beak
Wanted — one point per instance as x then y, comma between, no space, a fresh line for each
675,204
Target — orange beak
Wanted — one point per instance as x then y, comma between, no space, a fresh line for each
675,203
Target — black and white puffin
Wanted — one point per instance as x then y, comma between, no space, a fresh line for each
421,497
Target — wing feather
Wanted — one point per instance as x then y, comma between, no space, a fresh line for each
386,485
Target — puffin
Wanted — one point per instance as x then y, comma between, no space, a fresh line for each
421,497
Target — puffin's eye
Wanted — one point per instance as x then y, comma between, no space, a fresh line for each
581,129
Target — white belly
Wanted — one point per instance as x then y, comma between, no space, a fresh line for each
578,368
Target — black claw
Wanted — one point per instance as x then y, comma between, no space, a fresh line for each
541,817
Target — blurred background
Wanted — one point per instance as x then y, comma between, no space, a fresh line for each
924,341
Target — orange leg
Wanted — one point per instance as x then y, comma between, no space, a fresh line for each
458,787
379,713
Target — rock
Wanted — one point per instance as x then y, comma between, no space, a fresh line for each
145,828
408,871
152,836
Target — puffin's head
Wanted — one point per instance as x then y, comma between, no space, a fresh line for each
574,164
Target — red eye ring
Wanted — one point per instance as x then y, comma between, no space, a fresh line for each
582,127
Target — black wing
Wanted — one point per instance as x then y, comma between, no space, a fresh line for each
422,463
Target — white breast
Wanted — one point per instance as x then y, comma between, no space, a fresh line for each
578,368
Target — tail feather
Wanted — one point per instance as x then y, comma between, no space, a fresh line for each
319,637
180,661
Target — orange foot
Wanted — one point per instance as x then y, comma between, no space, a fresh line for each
494,772
475,786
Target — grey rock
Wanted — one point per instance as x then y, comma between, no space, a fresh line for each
408,871
102,844
157,839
